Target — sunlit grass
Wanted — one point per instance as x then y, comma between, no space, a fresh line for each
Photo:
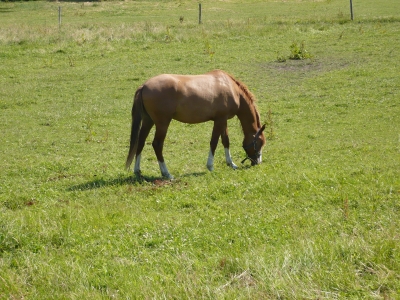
317,219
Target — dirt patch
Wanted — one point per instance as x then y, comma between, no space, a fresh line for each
304,66
292,72
162,182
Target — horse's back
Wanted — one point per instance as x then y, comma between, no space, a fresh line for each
190,98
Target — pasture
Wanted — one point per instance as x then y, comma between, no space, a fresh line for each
318,219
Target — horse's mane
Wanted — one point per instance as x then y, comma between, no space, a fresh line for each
248,95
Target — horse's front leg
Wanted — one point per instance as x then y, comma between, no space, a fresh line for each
220,129
158,144
225,142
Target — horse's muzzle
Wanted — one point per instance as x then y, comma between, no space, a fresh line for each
255,160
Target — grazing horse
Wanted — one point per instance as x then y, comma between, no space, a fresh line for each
215,96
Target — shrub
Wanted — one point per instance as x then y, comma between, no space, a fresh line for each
298,52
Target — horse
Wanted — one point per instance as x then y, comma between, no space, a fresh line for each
215,96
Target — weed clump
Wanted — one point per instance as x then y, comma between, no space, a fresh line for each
297,52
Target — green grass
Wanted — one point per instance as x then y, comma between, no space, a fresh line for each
318,219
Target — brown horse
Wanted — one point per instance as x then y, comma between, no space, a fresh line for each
215,96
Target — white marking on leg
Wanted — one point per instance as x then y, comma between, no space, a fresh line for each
228,158
210,161
164,170
136,169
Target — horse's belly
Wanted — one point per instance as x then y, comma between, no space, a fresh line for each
191,117
202,111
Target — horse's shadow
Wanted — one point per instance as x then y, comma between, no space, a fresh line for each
126,180
97,183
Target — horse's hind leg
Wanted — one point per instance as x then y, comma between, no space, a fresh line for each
158,144
147,124
216,133
225,142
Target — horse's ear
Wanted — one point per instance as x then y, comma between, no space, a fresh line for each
259,131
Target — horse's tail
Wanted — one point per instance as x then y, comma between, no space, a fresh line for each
137,111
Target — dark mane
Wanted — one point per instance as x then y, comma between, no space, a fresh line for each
249,95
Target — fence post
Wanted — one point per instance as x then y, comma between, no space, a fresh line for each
351,9
199,13
59,17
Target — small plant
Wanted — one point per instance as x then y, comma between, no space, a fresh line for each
90,133
270,133
208,50
346,208
168,36
148,27
280,58
340,14
71,61
298,52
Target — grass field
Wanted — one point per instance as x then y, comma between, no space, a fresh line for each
318,219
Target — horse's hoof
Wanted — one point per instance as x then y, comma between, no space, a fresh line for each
210,168
232,165
168,176
139,176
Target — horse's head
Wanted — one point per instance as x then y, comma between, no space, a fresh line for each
254,149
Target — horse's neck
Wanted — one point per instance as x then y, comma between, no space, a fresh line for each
248,119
